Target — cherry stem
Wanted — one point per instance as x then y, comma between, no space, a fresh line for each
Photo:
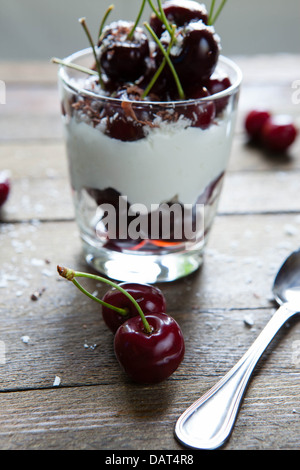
106,14
84,25
137,20
157,73
121,311
211,11
167,58
154,9
213,19
164,18
71,65
70,275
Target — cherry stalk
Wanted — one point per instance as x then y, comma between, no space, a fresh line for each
84,25
137,20
213,17
167,58
106,14
70,275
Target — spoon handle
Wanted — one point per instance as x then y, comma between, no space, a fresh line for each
209,421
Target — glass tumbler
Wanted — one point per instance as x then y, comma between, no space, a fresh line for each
146,176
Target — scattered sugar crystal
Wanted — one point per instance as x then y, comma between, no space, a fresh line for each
3,282
248,234
290,229
25,339
47,272
37,262
297,219
57,381
248,320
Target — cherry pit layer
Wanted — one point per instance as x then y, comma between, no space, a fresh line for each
172,58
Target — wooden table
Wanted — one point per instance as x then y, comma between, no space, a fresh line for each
60,382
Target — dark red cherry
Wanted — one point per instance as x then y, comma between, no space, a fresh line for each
201,113
149,298
123,58
122,122
119,127
196,53
149,357
4,186
216,85
180,13
255,121
278,133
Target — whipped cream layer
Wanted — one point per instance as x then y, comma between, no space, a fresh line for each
172,163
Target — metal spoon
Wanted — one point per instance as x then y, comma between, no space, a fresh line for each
207,423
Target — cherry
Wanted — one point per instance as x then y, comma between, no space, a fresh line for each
254,122
149,357
216,85
118,127
180,13
200,113
125,119
123,58
150,299
196,52
278,133
4,186
121,122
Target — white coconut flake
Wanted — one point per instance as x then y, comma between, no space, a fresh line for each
248,320
57,381
290,229
25,339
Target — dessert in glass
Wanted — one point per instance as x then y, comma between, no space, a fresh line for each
149,116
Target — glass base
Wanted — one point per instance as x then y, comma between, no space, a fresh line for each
148,269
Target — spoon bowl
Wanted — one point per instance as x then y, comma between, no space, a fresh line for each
286,287
208,423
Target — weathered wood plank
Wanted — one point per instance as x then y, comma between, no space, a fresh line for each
95,417
33,72
245,156
261,192
42,199
35,160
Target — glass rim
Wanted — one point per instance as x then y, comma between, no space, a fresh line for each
88,93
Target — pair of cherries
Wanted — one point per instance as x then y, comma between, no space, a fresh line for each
273,132
148,343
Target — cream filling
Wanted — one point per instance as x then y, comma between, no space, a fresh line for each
172,163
